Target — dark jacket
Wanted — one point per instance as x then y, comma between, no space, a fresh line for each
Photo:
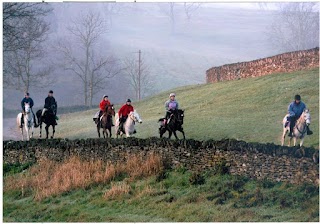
25,100
49,101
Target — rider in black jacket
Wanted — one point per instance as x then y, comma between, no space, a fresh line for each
49,102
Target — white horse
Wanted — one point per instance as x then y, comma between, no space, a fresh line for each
28,121
128,125
299,130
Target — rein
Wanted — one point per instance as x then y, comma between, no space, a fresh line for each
304,129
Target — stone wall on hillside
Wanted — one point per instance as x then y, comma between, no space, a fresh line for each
282,63
259,161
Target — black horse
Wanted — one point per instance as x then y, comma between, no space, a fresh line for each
173,124
49,118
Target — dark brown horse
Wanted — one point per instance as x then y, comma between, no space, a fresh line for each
106,121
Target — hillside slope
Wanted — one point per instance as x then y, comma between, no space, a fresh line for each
249,109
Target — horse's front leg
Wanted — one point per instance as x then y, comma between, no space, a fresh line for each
27,132
53,131
181,130
294,141
21,130
40,130
170,134
32,131
104,132
98,130
283,136
47,131
301,141
110,132
175,135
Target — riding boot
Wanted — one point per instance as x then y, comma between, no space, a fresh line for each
134,131
120,128
35,121
292,123
309,132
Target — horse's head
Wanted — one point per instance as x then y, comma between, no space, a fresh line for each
306,116
27,108
110,110
180,116
135,116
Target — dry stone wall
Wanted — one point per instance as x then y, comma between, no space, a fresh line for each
259,161
282,63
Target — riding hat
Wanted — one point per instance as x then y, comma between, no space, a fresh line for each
104,96
172,94
297,97
128,100
27,94
50,91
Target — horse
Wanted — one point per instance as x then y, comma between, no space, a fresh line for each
105,121
28,121
299,130
128,126
49,118
174,124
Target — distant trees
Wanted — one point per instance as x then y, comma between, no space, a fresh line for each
295,26
82,57
172,10
25,32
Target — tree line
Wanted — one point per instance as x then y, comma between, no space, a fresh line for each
26,64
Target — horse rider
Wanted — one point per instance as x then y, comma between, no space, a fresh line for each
27,99
48,103
170,105
104,103
123,113
295,109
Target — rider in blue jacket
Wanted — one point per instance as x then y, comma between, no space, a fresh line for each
295,109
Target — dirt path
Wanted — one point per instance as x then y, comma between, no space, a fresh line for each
10,130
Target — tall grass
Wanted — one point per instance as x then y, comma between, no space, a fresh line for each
53,178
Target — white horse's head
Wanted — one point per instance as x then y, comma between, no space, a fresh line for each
306,116
135,116
27,108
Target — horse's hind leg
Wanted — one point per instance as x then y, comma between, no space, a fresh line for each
175,135
283,136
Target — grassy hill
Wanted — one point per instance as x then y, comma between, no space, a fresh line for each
249,109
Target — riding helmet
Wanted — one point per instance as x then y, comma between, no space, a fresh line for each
104,96
129,100
172,94
50,91
297,97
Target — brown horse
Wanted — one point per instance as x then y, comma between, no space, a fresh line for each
106,121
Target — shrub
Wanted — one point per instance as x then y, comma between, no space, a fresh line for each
196,179
117,190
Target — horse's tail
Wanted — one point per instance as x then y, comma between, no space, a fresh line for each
19,120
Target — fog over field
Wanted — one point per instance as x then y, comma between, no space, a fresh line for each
176,51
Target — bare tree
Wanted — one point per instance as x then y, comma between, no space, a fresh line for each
25,67
82,58
13,15
169,10
111,9
139,76
295,26
190,8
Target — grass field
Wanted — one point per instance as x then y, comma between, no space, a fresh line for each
249,109
135,195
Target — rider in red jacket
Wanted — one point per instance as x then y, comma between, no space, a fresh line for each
102,106
123,112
